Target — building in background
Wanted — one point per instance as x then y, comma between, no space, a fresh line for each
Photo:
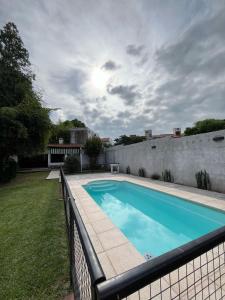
80,135
150,136
106,142
58,152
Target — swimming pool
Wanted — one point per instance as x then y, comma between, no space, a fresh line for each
153,221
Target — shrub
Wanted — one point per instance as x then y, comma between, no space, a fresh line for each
141,172
203,180
128,170
93,148
155,176
7,170
72,164
167,177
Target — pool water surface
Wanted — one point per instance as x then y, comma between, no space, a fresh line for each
153,221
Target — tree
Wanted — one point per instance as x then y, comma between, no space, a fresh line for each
15,72
61,130
127,140
24,122
93,148
204,126
74,123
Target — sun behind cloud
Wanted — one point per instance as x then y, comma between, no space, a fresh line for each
99,78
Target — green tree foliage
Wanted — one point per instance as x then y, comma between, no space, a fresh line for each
204,126
74,123
24,122
61,130
127,140
15,73
93,148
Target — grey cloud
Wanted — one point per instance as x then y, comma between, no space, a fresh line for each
127,92
109,126
134,50
190,75
171,87
70,81
182,82
138,51
121,125
110,66
93,113
197,50
124,114
143,60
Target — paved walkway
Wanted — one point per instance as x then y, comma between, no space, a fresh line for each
54,174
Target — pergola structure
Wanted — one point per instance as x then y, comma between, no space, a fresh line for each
58,152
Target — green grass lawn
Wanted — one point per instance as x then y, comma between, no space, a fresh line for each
33,246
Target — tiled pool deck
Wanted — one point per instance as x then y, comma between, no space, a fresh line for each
115,252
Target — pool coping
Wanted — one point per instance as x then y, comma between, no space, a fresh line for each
115,252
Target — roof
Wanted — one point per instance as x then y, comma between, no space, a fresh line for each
107,139
79,129
65,145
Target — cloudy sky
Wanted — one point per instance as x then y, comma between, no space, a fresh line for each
123,66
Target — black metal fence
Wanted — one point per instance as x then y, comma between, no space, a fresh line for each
194,271
85,269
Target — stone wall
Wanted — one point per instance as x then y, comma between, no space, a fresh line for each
183,156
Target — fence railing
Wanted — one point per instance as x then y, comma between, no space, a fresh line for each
195,270
85,269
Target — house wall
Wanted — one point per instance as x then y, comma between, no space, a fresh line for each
183,156
78,137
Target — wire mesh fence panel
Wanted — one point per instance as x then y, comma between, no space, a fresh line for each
85,269
200,279
80,272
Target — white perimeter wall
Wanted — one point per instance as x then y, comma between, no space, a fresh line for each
183,156
86,161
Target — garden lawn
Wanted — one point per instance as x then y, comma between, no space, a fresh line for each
33,246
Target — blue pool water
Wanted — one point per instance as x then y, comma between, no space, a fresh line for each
153,221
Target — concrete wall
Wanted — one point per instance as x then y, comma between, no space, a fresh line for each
86,161
183,156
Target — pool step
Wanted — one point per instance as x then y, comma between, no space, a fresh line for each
102,187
